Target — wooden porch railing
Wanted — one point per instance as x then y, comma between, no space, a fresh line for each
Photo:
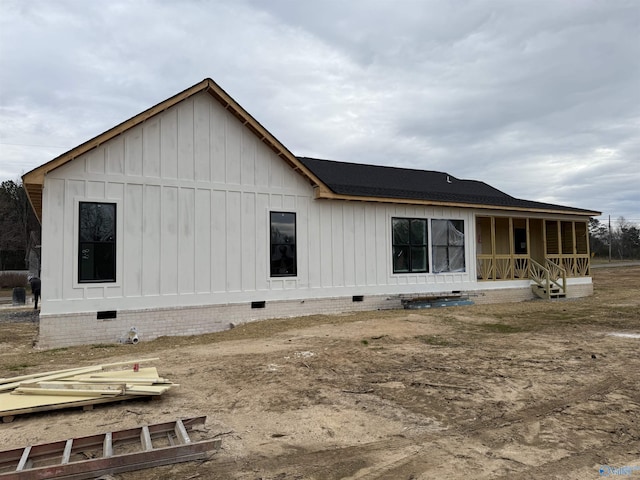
516,267
503,267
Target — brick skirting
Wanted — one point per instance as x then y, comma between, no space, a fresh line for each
84,328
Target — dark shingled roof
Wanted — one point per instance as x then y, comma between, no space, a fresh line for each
362,180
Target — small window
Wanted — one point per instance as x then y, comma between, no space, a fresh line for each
97,242
283,244
409,245
448,245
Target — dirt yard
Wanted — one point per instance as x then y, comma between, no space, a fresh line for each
529,390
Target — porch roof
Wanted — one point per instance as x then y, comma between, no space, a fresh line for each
404,185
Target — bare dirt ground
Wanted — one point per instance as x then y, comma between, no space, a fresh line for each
528,390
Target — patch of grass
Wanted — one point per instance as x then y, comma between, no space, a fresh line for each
57,350
103,345
19,366
365,342
435,340
501,328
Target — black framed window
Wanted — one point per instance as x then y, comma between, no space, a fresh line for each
97,242
283,244
448,245
409,240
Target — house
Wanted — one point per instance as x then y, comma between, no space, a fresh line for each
191,217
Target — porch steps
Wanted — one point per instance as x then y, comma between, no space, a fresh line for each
543,291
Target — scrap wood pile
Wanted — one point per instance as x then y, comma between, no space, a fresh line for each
83,386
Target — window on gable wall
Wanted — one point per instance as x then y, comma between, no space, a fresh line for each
283,244
97,242
448,245
409,245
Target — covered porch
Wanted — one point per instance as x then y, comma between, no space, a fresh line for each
514,248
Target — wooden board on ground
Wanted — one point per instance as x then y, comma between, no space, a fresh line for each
79,387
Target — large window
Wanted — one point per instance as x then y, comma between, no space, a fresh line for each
97,242
409,245
448,245
283,244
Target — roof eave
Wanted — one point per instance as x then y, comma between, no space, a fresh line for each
326,193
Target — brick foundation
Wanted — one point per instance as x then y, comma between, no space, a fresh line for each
84,328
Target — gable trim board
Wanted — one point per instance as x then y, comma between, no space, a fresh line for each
193,192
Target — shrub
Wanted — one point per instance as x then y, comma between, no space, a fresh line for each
13,279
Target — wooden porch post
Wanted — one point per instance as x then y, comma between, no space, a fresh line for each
512,265
493,248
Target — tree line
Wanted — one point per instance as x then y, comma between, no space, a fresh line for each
19,227
622,236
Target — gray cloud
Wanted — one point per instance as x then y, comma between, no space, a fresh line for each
538,98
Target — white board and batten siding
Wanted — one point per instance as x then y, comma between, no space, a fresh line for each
193,189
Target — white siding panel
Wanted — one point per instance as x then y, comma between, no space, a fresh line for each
186,242
349,247
151,240
248,167
248,242
233,149
276,173
302,240
326,262
262,241
115,191
132,241
185,140
95,161
370,245
151,149
234,242
217,135
201,137
169,236
169,144
53,239
95,190
337,245
359,242
203,241
289,203
313,244
383,228
263,159
75,189
219,240
115,156
133,151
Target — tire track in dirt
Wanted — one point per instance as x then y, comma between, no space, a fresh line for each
404,456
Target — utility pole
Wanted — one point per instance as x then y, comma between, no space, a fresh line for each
609,238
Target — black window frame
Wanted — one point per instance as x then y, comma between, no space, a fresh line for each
103,244
405,250
449,246
282,246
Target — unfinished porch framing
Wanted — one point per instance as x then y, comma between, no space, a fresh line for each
507,248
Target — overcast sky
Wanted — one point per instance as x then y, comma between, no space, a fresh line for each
539,98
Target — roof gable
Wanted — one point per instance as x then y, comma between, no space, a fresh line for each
33,181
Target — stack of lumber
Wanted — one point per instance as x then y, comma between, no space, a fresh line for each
79,387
